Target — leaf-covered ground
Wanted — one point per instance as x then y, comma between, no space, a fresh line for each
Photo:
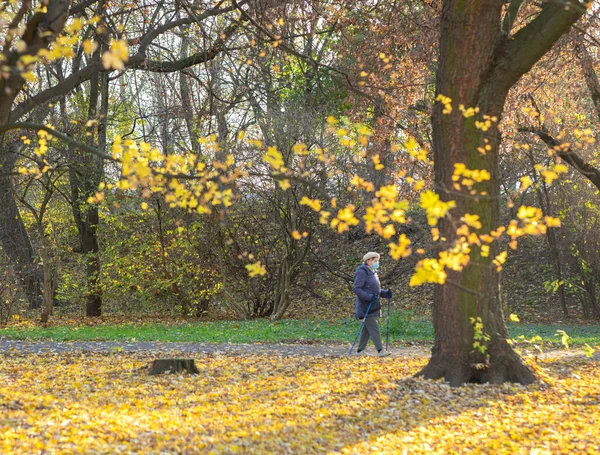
107,404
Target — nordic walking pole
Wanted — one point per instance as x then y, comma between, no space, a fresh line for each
387,328
361,325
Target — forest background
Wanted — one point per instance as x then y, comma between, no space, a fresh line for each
272,107
214,171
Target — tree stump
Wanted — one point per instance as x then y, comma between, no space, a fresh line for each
160,366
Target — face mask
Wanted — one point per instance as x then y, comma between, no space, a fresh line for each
375,265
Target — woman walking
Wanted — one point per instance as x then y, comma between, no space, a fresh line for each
368,291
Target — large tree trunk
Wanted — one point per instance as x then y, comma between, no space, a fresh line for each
478,64
14,238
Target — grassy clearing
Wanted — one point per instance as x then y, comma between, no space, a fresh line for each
404,327
262,404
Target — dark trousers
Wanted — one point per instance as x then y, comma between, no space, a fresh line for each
370,330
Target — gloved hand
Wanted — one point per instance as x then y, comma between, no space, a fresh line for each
387,294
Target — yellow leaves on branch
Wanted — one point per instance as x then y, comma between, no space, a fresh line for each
196,184
256,269
274,158
184,180
526,182
446,101
552,173
116,57
499,260
434,207
384,208
89,46
63,47
486,123
299,236
468,112
361,184
314,204
345,219
529,213
456,258
531,222
467,177
472,220
428,271
377,162
350,134
414,150
400,250
42,147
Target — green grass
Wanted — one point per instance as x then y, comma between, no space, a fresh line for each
403,327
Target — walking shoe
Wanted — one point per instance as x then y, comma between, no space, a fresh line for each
383,353
360,352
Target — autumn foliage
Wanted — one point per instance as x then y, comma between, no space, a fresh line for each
79,403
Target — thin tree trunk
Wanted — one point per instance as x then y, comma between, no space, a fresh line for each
48,282
186,98
85,177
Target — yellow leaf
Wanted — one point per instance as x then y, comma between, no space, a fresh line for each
549,176
552,222
388,231
400,250
472,220
560,168
116,56
428,271
89,46
256,269
315,204
526,182
419,185
435,208
463,230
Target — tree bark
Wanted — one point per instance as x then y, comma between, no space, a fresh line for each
478,65
85,175
14,238
40,31
48,266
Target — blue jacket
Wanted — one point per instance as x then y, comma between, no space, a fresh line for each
366,284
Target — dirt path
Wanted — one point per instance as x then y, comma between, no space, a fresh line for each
318,350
